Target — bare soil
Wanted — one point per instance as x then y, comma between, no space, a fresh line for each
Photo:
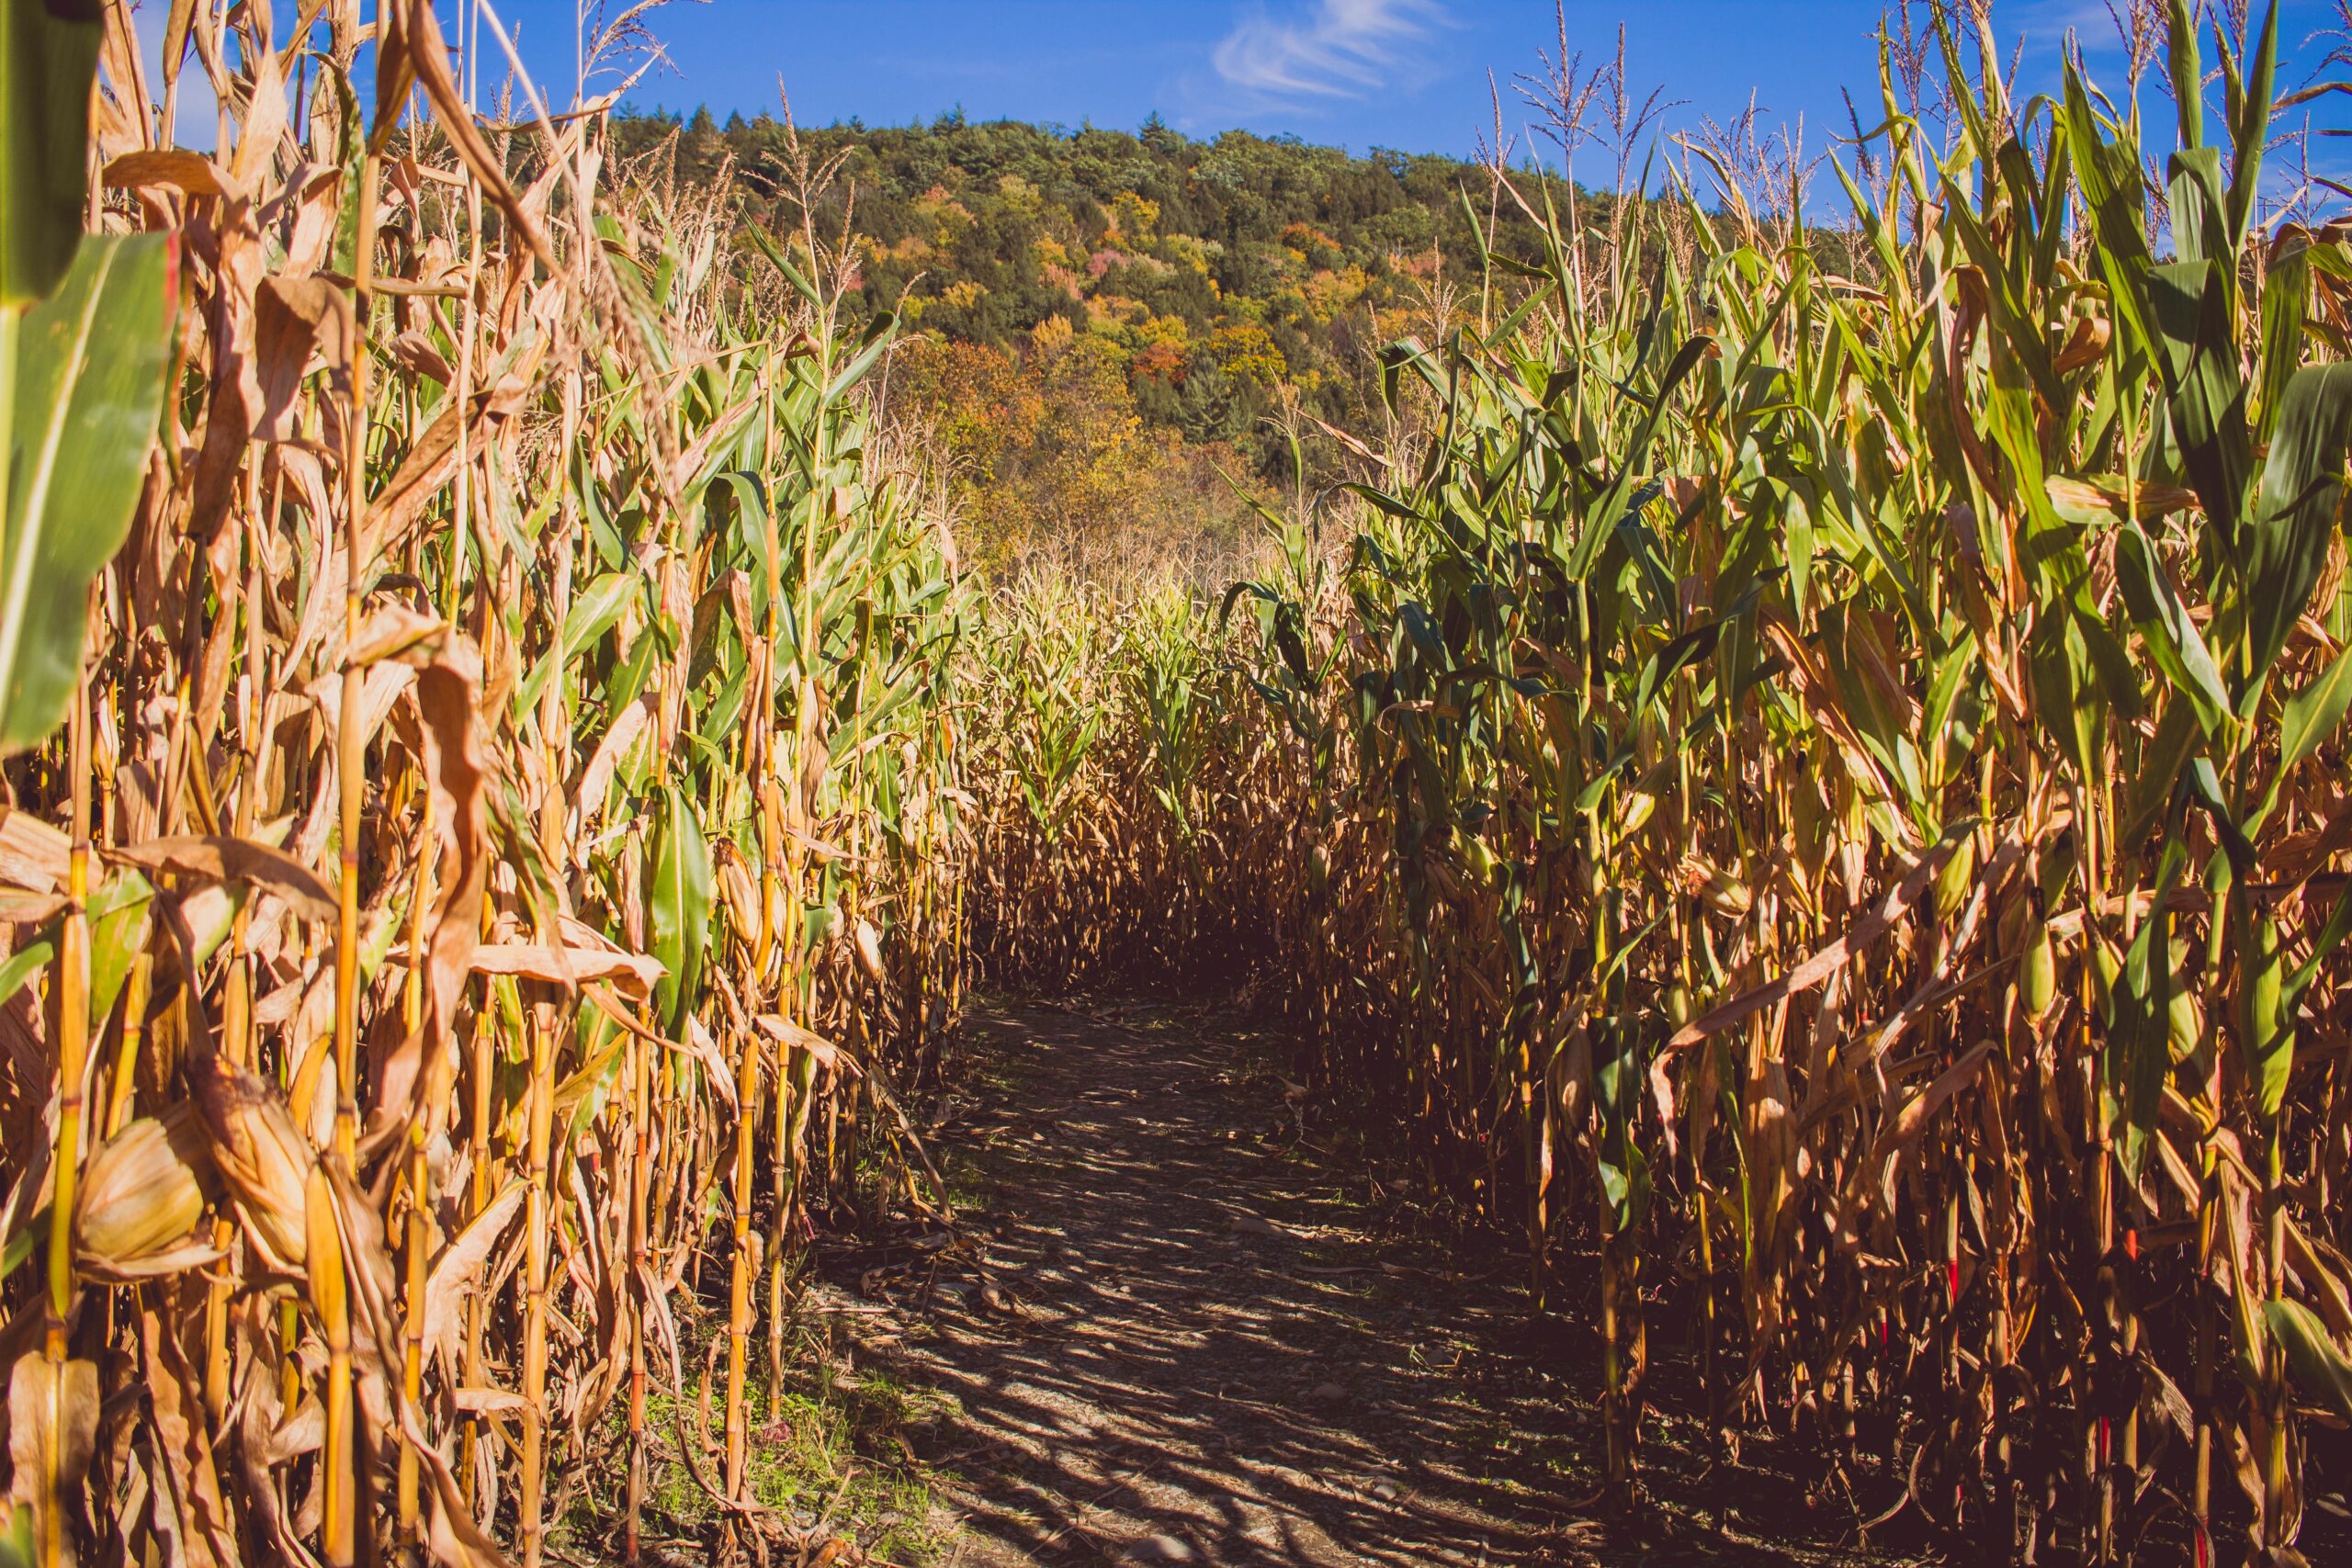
1167,1328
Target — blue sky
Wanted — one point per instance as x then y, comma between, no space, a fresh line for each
1411,75
1408,75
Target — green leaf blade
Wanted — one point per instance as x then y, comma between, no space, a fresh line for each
91,369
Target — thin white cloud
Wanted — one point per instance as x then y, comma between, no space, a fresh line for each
1328,49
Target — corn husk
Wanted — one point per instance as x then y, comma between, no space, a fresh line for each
141,1195
869,951
264,1160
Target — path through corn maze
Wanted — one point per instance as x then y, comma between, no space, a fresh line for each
1168,1329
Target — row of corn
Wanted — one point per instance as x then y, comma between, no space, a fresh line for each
472,898
1808,778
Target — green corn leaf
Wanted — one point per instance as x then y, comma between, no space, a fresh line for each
678,909
1800,551
1971,112
49,55
22,966
2053,196
2203,784
877,341
2200,211
2177,738
636,666
2189,304
792,275
592,614
1600,523
2172,637
1625,1183
756,527
1955,700
2249,129
121,916
2285,288
2320,1366
2014,328
2110,175
2066,699
2313,714
2181,37
2302,481
2139,1017
2117,676
90,366
1670,660
18,1548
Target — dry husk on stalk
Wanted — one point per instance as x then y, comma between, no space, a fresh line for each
142,1193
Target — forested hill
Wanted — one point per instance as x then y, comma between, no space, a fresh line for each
1138,303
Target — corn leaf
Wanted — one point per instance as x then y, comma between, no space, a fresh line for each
2320,1366
679,899
89,387
48,54
2303,481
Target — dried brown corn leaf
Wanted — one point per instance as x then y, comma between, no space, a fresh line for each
52,1435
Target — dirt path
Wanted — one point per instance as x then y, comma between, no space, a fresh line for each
1166,1335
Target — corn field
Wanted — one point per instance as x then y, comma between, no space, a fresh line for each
1801,779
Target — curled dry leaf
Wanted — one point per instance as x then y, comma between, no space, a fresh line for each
572,967
457,1270
182,1441
395,631
378,693
785,1033
1875,923
295,319
219,857
409,52
1910,1123
190,173
19,908
33,854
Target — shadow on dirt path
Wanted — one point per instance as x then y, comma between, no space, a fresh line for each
1164,1334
